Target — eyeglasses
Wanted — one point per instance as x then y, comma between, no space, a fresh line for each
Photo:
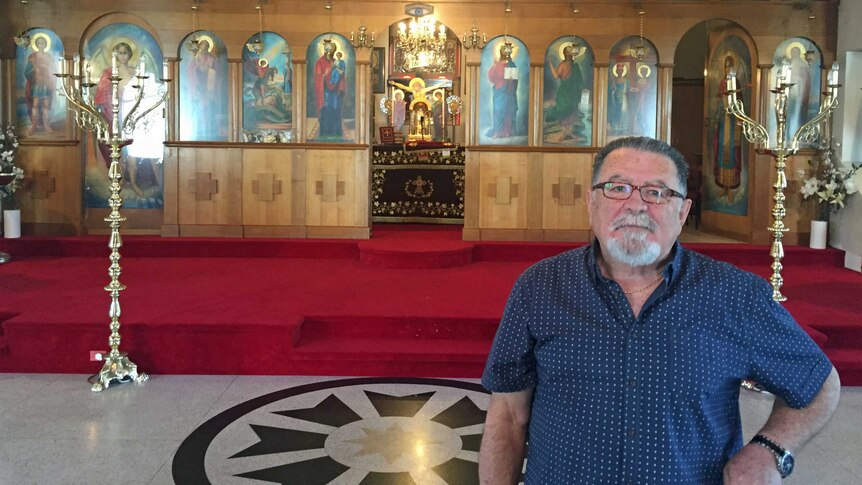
652,195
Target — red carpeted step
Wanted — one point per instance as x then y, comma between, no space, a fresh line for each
408,327
848,363
393,349
845,335
415,254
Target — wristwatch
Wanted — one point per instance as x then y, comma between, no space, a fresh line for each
783,458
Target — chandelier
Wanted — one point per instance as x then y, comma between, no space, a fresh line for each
639,50
23,39
256,45
194,44
422,42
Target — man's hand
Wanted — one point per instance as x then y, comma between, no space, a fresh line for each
753,465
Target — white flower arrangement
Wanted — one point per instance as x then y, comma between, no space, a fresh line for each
8,150
831,185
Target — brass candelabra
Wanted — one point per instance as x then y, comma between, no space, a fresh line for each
79,89
757,134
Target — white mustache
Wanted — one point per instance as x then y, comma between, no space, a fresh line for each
637,220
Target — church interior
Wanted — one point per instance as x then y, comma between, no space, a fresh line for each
313,212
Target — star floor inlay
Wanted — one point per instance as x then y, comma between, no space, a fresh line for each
349,431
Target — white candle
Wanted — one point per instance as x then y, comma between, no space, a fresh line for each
731,81
114,62
785,71
76,66
62,62
87,70
166,70
832,79
142,67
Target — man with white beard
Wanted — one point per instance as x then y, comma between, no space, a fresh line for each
620,361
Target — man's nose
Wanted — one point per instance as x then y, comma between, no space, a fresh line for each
636,201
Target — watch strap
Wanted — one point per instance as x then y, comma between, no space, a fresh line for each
767,443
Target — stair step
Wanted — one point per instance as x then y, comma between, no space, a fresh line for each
384,350
413,254
408,327
845,358
848,363
842,336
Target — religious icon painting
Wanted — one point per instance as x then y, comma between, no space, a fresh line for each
203,87
726,190
504,89
267,85
632,89
805,64
41,111
141,160
567,107
331,99
378,65
419,108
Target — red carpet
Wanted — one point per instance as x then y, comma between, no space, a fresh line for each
412,301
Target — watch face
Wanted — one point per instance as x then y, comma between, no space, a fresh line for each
785,465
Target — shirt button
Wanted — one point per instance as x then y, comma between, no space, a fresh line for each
633,383
631,432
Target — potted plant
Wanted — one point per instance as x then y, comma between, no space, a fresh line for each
830,185
10,180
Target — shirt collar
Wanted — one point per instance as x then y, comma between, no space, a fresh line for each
671,270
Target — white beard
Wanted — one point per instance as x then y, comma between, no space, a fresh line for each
632,247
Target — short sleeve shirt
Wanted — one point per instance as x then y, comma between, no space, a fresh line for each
652,399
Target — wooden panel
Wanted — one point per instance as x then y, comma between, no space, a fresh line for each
170,193
269,187
568,236
337,185
51,200
534,197
203,230
472,180
326,232
210,186
503,186
727,225
565,190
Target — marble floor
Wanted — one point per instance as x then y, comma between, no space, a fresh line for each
296,430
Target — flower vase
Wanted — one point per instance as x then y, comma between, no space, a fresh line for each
11,223
819,231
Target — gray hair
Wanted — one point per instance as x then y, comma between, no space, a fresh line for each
644,144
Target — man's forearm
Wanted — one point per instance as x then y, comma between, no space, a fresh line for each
789,428
504,438
792,428
501,456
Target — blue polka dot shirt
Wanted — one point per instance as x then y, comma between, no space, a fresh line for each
652,399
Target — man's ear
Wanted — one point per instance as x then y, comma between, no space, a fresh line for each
684,209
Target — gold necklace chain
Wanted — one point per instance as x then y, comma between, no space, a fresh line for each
660,277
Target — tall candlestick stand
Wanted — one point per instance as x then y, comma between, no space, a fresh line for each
756,133
79,90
